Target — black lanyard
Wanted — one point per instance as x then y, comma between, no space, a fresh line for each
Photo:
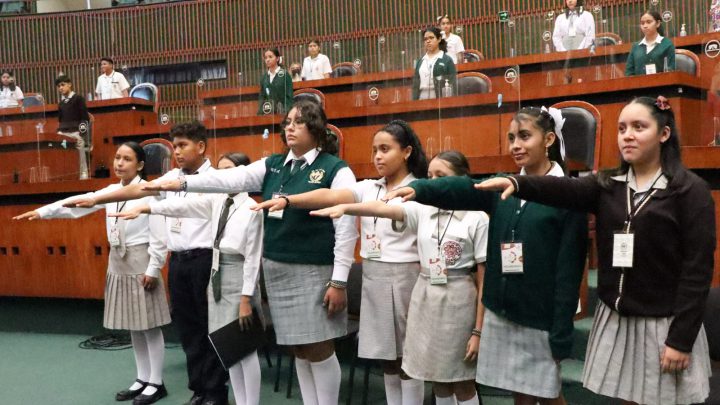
118,207
441,237
633,209
375,219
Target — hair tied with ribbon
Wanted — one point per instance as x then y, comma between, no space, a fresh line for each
556,115
440,18
662,103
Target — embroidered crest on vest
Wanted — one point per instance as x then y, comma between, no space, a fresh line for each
316,176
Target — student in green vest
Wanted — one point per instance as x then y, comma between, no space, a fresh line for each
306,260
434,70
654,53
275,85
535,261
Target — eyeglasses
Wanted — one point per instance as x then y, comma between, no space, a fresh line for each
427,39
295,123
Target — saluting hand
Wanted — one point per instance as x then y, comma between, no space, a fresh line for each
166,185
331,212
131,213
274,204
498,184
80,203
30,216
407,194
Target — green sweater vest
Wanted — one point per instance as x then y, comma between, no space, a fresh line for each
281,92
638,58
443,67
554,241
298,237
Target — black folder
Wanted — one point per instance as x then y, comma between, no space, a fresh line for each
232,344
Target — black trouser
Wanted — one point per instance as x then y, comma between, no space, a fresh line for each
188,281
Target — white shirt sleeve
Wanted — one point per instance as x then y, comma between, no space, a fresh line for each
412,215
306,72
326,66
238,179
190,207
559,32
98,89
18,94
346,233
56,209
253,253
123,83
588,23
157,247
480,238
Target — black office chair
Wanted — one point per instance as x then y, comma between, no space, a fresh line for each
344,69
687,61
581,132
146,91
473,83
472,55
158,156
309,94
607,39
33,101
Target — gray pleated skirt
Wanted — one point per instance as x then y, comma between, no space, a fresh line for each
128,305
227,309
517,358
440,322
295,296
623,361
386,292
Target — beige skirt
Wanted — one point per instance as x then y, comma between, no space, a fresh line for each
623,361
226,310
128,305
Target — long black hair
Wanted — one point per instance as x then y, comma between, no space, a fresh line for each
12,80
543,120
404,135
139,155
670,159
656,15
313,116
457,161
438,34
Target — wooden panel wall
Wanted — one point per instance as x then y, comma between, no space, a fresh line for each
237,30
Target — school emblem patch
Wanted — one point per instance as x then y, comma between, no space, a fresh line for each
316,176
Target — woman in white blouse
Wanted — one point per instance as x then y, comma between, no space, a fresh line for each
10,93
455,46
316,66
574,28
232,291
134,291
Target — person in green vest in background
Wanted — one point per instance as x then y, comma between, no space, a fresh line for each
435,69
275,85
654,53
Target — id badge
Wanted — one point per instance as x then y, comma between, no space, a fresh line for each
176,226
572,32
276,214
650,69
373,246
438,271
623,244
114,238
215,260
511,254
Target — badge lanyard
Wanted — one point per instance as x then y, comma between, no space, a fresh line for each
441,237
119,208
632,212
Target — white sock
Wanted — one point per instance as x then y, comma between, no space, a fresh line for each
445,400
327,378
237,380
156,352
307,382
472,401
142,359
413,392
251,373
393,390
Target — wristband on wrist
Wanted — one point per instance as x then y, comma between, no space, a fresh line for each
341,285
287,201
183,183
476,332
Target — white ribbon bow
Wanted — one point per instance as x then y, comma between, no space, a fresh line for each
559,123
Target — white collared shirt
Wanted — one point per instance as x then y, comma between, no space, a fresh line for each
274,73
243,232
650,46
427,86
68,97
111,86
144,229
250,179
639,192
315,68
395,247
9,98
584,25
195,233
454,46
465,241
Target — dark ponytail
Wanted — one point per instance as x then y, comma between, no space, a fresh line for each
404,135
657,17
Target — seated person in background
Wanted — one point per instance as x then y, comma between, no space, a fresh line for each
72,112
316,66
275,85
654,53
574,28
433,69
455,46
10,94
295,71
110,84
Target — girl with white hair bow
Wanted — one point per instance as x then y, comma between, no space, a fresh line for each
535,261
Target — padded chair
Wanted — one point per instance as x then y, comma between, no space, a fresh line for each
687,61
33,101
146,91
344,69
339,140
472,55
473,83
158,156
607,39
309,94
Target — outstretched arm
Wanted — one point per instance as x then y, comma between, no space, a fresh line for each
129,192
364,209
316,199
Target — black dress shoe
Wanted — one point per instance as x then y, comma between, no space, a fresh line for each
196,399
143,399
126,395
